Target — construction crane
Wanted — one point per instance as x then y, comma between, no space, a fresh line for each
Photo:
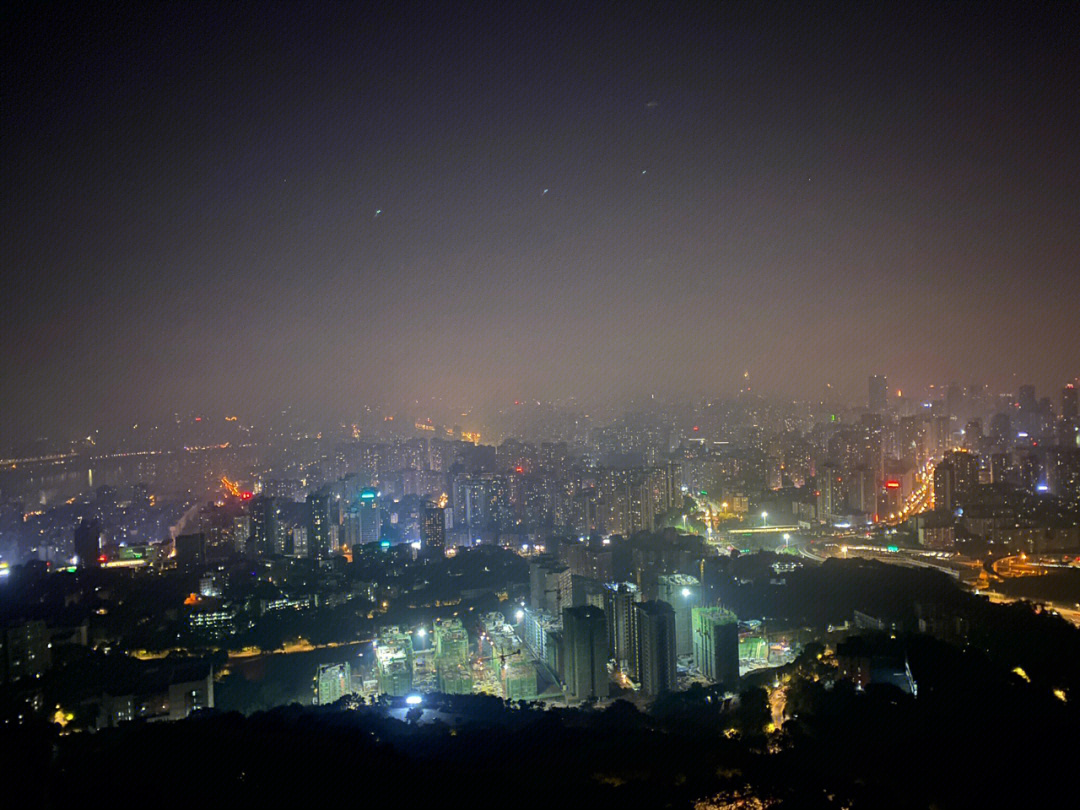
501,656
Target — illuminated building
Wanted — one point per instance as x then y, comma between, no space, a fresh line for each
655,644
716,645
299,541
394,662
451,641
683,593
536,628
318,527
370,516
264,525
332,682
216,623
452,657
619,601
433,531
585,642
955,479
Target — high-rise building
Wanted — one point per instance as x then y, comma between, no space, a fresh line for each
551,585
683,593
585,640
954,400
655,646
879,394
1028,408
955,479
451,641
370,516
619,601
264,524
1069,407
433,531
716,645
88,543
394,662
452,658
332,682
318,527
537,626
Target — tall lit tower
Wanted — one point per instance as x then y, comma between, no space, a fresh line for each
433,531
318,504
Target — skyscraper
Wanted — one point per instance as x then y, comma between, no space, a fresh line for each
879,393
619,601
370,516
654,646
433,531
716,645
955,479
585,631
318,528
263,524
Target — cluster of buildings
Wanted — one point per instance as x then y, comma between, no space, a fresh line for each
640,633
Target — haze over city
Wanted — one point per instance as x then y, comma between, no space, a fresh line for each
328,205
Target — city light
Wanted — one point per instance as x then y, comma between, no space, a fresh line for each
414,700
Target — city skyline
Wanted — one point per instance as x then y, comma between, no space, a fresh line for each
216,210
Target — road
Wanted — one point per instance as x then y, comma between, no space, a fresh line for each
1070,614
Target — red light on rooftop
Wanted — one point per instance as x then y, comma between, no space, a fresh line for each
696,428
102,558
892,484
198,418
519,469
245,496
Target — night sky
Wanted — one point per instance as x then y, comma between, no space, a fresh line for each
235,208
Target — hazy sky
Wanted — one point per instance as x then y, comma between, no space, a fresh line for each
235,208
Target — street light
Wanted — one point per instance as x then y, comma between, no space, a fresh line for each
764,518
519,615
686,593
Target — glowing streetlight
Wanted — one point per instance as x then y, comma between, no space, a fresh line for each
764,518
519,615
